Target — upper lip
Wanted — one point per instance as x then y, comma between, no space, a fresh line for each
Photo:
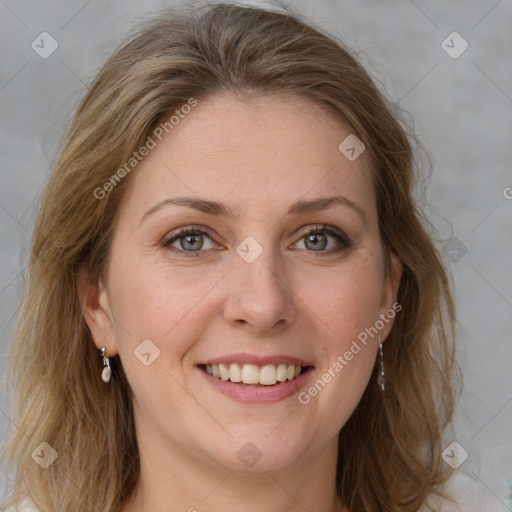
258,360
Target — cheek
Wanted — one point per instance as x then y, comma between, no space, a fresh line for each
348,302
344,313
153,303
347,314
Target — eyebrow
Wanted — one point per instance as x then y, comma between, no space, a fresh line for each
215,208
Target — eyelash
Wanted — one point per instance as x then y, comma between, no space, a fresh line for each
344,241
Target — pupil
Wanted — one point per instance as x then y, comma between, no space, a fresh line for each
191,239
316,241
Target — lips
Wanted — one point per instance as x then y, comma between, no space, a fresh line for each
256,379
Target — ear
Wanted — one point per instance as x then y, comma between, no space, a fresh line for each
389,306
97,312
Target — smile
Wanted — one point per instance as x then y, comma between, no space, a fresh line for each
264,375
256,379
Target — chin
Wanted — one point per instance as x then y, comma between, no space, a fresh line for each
258,453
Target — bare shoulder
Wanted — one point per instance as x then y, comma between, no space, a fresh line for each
468,494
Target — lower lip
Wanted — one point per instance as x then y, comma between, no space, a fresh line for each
258,394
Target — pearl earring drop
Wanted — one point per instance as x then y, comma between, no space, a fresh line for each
106,373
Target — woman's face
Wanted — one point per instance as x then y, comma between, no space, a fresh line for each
247,293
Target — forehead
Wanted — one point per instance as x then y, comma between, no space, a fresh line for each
260,153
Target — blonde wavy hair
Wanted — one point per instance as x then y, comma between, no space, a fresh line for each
390,449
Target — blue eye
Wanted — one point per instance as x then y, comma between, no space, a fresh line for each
316,238
190,240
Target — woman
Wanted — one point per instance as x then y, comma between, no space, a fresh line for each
232,300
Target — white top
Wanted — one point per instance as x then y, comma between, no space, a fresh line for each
469,494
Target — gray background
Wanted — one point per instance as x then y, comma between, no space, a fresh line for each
461,109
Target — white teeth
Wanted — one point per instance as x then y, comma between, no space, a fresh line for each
235,373
250,374
282,373
266,375
224,372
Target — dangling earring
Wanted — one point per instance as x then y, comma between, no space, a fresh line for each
106,373
381,379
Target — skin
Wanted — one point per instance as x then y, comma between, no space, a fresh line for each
257,157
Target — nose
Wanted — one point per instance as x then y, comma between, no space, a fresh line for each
260,295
